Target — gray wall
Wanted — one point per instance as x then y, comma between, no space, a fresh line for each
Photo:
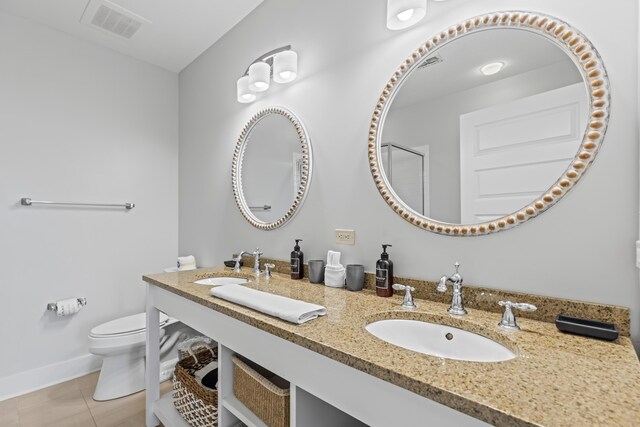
79,123
582,249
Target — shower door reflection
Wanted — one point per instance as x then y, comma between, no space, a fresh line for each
407,170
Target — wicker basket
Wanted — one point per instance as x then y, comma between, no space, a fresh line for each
254,386
197,405
188,347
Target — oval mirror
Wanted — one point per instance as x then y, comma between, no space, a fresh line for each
489,123
271,168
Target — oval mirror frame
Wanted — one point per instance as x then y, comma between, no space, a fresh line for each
236,168
594,75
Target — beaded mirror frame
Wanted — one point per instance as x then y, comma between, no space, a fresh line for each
594,75
305,172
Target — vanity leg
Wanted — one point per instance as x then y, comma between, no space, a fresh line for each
225,386
152,376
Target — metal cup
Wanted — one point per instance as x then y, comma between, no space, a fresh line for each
316,271
355,277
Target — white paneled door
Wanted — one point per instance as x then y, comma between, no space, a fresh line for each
513,152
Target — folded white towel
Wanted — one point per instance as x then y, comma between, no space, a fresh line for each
288,309
186,263
333,259
334,276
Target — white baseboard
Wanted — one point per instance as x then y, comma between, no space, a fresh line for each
35,379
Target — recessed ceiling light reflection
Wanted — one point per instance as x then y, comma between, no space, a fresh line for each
492,68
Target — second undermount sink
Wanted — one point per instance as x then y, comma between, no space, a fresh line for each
221,281
439,340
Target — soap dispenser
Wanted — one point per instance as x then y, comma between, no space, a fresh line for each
297,262
384,274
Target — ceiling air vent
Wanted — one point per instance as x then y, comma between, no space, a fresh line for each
112,18
432,60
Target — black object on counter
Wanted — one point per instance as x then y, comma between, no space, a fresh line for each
588,328
297,262
231,263
384,274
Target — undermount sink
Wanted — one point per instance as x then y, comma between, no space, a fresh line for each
439,340
221,281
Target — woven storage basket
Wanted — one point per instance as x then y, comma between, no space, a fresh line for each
188,347
197,405
253,387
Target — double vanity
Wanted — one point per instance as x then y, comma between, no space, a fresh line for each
501,150
344,372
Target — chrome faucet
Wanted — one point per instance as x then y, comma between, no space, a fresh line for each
236,268
508,318
267,270
256,261
407,302
457,308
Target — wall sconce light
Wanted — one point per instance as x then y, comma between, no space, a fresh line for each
281,64
403,14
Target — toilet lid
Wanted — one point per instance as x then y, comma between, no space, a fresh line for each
126,325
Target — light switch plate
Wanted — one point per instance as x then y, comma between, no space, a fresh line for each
638,253
345,237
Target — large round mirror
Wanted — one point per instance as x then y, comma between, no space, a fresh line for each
271,168
489,123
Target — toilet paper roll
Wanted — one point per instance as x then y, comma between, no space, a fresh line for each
67,307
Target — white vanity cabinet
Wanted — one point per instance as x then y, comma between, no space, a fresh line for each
324,392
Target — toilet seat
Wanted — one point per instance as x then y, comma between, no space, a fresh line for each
125,326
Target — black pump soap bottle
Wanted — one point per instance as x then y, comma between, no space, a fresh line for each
297,262
384,274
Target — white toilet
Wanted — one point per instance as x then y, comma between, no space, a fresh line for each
121,343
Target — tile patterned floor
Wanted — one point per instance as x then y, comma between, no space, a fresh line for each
70,405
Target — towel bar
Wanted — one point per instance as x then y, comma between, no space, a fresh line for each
25,201
260,208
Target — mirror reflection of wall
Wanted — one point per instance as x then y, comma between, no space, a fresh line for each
269,168
518,128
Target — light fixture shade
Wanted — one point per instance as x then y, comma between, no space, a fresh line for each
285,66
245,95
259,74
405,13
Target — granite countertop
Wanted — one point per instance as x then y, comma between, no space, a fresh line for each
556,379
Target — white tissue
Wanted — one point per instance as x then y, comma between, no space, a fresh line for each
67,307
334,272
186,263
333,259
334,276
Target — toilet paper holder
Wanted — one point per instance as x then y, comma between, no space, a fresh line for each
53,306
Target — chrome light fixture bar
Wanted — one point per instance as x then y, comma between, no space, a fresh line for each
280,64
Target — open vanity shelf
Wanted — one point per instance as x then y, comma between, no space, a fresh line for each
323,391
306,409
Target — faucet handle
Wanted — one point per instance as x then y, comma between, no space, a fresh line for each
407,302
257,252
236,267
508,318
442,284
522,306
457,266
400,287
267,270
